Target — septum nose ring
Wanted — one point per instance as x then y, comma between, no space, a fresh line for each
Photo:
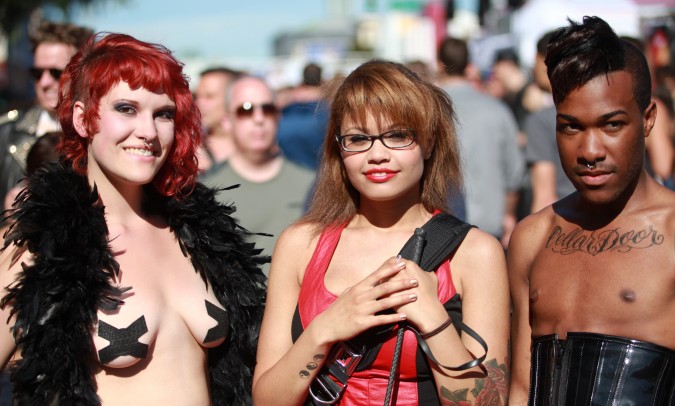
590,165
145,141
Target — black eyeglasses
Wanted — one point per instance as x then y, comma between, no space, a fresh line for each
246,110
36,73
394,139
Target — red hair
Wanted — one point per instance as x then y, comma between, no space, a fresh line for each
103,62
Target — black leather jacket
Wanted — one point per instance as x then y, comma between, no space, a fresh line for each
17,136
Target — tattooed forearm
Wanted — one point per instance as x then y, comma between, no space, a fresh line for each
590,242
491,390
454,398
311,366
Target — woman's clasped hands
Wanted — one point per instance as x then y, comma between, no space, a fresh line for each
398,284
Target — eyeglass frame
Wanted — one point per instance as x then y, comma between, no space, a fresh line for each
379,137
37,73
247,110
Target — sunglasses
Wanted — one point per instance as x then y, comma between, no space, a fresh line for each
36,73
246,110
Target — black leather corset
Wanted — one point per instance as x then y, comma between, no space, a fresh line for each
598,369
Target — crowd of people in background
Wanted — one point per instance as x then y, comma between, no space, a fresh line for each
525,158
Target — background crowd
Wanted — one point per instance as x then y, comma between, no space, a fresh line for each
263,145
506,126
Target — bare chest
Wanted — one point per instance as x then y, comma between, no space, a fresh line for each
167,302
614,275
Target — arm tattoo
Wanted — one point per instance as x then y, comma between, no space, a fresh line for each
454,398
495,387
311,366
491,390
590,242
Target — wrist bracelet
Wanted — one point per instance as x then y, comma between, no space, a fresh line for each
437,329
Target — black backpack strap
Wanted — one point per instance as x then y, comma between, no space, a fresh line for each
444,233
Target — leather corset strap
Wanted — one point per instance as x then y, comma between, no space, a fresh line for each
597,369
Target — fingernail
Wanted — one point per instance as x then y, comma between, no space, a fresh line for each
412,297
403,316
413,282
398,259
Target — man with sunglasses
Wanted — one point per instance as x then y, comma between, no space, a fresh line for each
53,46
273,189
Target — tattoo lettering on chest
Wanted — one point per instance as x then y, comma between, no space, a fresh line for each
594,243
123,341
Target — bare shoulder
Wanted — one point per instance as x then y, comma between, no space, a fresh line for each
480,253
479,244
665,212
296,242
298,235
666,205
531,231
293,251
659,212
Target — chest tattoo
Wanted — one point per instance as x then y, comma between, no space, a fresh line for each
594,243
123,341
222,329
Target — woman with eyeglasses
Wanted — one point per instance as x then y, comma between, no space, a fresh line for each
124,281
390,163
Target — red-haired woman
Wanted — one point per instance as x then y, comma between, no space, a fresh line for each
127,282
390,160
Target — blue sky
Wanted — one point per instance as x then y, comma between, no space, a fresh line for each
213,29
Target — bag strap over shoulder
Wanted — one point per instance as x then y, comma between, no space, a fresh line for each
444,233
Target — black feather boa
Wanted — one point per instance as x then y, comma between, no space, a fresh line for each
61,221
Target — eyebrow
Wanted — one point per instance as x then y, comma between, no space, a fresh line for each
136,103
603,117
170,107
363,131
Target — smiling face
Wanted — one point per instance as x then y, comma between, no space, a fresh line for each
601,137
381,173
135,135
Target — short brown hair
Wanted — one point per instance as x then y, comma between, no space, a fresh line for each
60,33
388,91
454,55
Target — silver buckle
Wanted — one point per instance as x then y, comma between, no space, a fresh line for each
332,380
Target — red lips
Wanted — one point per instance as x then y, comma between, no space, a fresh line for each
380,175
